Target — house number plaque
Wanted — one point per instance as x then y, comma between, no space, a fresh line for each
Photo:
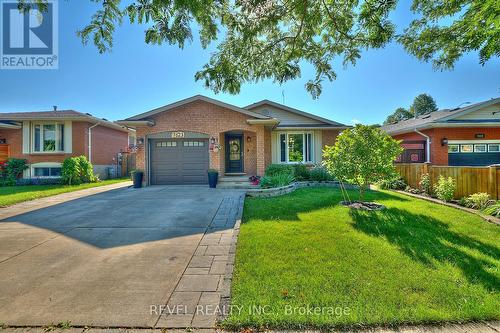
177,135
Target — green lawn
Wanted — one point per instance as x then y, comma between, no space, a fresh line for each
10,195
414,262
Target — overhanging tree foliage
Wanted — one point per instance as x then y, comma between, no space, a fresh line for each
273,39
362,155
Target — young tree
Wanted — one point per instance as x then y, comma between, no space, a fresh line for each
423,104
362,155
398,115
269,39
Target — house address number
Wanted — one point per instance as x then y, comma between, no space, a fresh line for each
177,135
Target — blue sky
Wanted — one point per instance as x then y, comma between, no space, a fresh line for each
137,77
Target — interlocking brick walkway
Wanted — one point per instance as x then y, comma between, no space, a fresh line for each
207,279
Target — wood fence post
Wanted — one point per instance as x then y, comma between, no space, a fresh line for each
493,188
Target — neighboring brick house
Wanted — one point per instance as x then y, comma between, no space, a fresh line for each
177,143
468,136
46,138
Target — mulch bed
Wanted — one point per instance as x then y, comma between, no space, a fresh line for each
363,205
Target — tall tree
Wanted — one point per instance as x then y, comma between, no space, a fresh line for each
274,39
423,104
398,115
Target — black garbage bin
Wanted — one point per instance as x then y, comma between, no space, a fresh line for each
137,178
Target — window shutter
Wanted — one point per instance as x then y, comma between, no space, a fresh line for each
26,137
68,137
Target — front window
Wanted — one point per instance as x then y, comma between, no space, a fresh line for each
48,137
494,148
296,147
453,148
41,172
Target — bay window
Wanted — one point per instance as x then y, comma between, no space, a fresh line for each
48,137
296,147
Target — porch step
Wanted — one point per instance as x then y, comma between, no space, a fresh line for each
236,185
232,174
229,179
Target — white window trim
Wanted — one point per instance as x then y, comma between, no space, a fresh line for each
44,165
304,134
55,123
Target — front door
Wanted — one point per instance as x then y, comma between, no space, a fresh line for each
234,153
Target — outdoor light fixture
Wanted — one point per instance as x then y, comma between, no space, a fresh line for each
140,141
212,140
444,141
249,138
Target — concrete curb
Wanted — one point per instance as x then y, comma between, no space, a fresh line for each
485,217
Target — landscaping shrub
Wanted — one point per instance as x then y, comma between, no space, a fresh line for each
478,201
301,172
392,184
493,210
425,183
445,188
275,169
278,180
412,190
11,170
77,170
320,174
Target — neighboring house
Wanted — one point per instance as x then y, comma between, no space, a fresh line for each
46,138
177,143
468,136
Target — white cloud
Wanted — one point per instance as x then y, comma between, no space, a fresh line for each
355,121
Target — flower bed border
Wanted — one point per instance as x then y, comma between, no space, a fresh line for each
487,218
277,191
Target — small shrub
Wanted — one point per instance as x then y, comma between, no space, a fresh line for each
280,179
275,169
11,170
301,172
463,201
392,184
478,201
77,170
320,174
412,190
425,183
493,210
445,188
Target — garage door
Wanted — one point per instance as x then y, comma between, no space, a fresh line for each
182,161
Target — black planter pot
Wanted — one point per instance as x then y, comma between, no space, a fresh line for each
212,179
137,179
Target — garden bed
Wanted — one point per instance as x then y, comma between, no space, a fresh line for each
277,191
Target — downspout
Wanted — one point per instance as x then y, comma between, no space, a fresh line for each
428,146
90,140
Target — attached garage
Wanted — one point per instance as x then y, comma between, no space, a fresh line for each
179,161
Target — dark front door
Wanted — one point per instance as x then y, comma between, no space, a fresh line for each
234,153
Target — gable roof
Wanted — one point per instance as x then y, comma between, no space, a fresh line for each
441,118
327,122
59,115
171,106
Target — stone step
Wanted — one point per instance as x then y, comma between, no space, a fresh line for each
233,179
236,185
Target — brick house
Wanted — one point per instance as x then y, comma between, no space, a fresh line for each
468,136
46,138
179,142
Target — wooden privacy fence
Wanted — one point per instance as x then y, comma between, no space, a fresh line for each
469,180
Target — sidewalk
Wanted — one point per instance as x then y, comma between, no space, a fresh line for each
28,206
479,327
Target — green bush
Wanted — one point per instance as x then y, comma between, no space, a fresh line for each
11,170
278,180
392,184
445,188
493,210
425,183
275,169
478,201
320,174
77,170
301,172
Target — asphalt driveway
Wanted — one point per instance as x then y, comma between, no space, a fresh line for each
105,259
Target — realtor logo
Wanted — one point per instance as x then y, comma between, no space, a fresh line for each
28,39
